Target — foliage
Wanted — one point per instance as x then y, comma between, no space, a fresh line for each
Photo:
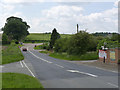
15,28
55,35
5,39
79,43
115,37
109,44
61,45
12,54
18,80
44,46
92,43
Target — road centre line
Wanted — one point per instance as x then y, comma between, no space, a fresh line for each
21,63
40,58
59,65
89,74
28,69
112,85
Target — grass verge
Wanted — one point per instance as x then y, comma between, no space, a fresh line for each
44,46
11,54
17,80
45,52
65,56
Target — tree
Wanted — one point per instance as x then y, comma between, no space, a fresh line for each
15,28
54,36
5,39
61,45
79,43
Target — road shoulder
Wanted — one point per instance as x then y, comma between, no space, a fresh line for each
98,64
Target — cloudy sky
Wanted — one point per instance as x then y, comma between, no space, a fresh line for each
64,15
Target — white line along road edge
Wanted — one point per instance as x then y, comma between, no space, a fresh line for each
28,69
40,58
75,71
21,63
113,85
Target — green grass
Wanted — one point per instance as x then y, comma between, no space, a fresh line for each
38,36
41,36
12,54
44,46
38,47
65,56
45,52
17,80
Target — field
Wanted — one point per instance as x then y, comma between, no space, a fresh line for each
17,80
11,53
41,36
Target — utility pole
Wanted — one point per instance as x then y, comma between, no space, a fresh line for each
77,28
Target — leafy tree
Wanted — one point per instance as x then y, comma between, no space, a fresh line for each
61,45
5,39
15,28
54,36
92,43
115,37
79,43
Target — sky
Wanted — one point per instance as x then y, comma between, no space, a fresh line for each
64,15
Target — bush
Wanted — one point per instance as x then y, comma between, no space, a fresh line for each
5,39
61,45
79,43
44,46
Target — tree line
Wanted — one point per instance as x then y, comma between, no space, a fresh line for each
16,29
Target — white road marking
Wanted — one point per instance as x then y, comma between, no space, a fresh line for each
75,71
40,58
113,85
1,66
21,63
28,69
106,70
59,65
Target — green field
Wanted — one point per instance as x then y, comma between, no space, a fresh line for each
65,56
17,80
11,54
40,36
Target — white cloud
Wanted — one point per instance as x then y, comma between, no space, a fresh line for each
65,18
116,3
62,11
31,1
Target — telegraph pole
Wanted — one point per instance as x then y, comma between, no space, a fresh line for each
77,28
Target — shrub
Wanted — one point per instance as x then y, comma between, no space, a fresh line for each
61,45
79,43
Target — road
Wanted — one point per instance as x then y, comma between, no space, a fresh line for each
55,73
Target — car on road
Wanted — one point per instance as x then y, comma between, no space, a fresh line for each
24,49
